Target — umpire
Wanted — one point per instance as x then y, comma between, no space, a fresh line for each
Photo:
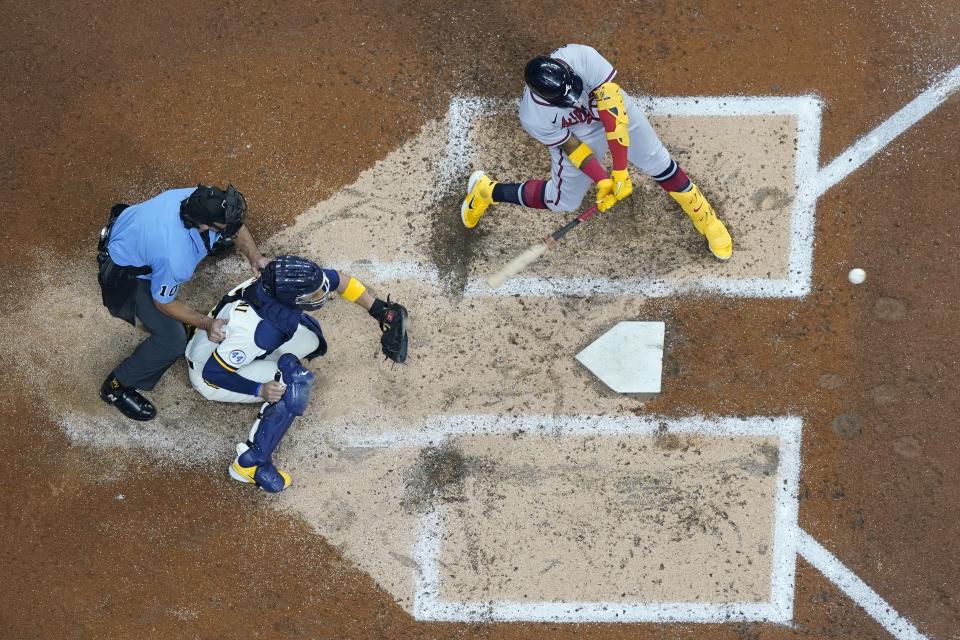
146,252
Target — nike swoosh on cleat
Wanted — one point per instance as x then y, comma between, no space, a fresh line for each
555,119
470,204
698,208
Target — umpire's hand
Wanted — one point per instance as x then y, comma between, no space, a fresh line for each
217,330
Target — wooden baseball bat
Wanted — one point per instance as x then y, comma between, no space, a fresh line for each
533,253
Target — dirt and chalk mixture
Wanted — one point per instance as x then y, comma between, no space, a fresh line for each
117,529
501,355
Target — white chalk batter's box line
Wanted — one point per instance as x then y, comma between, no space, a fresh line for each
463,114
427,547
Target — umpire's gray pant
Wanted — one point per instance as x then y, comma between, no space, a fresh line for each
167,341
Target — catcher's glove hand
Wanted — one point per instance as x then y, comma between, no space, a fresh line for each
392,317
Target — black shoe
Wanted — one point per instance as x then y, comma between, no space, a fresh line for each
127,400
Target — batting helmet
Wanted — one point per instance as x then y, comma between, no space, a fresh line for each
554,81
295,282
212,205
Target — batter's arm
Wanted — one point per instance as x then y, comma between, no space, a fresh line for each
582,157
612,108
571,145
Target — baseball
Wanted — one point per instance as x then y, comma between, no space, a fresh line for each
857,276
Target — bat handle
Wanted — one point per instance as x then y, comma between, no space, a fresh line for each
586,215
552,239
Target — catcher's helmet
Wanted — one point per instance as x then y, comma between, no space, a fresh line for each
212,205
554,81
295,282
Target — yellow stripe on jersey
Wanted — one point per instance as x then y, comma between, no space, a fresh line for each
216,356
353,291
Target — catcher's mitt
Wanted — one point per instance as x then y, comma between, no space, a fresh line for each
392,317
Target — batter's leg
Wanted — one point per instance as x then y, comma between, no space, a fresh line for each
649,155
563,192
567,185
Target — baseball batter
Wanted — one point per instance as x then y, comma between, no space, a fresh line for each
267,336
572,105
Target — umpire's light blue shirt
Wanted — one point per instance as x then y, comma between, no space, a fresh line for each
152,234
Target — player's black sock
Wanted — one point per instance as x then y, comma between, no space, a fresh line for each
674,178
530,193
507,192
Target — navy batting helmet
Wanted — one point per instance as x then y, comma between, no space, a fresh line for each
212,205
295,282
554,81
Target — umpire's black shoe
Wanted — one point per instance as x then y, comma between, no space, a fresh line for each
127,400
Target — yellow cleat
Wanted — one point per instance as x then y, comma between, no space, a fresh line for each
705,221
479,197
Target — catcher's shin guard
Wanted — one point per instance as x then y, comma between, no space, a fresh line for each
479,197
705,221
254,462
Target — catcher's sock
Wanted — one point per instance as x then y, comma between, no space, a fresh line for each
526,194
674,179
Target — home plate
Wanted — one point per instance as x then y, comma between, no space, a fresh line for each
628,358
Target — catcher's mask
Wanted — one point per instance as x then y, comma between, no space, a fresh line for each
214,206
554,81
296,282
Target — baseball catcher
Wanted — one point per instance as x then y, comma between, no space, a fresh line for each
571,105
268,334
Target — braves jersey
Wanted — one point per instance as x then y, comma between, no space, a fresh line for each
552,125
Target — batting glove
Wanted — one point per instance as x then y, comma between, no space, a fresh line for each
605,196
622,185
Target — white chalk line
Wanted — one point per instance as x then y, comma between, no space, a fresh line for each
437,429
427,547
855,588
867,146
785,520
542,286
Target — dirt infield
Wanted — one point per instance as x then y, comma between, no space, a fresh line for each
120,530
